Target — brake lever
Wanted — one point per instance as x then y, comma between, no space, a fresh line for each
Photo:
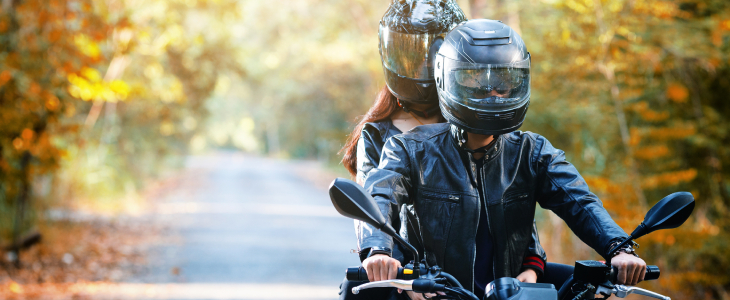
406,285
622,291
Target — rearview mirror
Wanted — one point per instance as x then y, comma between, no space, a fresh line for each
669,212
351,201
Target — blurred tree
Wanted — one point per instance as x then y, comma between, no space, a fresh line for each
105,90
636,83
42,43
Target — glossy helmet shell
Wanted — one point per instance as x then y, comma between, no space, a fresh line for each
481,42
422,22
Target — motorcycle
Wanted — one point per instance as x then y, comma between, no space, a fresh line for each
589,279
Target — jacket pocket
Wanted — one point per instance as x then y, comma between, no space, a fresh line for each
519,210
436,211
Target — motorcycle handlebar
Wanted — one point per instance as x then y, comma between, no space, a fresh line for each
360,274
652,273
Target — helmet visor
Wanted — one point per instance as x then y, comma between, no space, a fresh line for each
488,87
409,54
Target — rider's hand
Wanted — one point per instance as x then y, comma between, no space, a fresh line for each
529,276
631,269
381,267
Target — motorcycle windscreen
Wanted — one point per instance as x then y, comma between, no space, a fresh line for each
488,87
409,55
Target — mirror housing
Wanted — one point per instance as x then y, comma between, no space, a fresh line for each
351,201
670,212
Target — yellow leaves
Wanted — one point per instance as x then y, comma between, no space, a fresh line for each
668,179
615,6
167,128
3,25
565,35
15,288
87,46
90,86
658,8
677,92
652,152
91,74
579,7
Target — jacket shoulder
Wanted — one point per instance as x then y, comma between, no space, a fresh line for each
425,132
520,137
380,127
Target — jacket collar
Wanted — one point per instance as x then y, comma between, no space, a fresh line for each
457,134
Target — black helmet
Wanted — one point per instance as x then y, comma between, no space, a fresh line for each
483,77
410,33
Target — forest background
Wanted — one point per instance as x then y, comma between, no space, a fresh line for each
99,96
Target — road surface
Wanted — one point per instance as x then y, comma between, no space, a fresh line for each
246,227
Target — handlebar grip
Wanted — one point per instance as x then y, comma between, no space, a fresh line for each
652,273
360,274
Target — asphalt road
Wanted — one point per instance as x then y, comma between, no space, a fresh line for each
246,227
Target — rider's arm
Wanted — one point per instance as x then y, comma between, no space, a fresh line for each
535,256
389,185
561,189
369,147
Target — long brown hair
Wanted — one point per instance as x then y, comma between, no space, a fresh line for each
385,105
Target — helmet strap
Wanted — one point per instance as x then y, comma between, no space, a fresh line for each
423,114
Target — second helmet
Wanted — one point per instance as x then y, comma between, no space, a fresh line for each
411,32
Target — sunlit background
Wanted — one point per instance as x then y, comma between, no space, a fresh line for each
111,111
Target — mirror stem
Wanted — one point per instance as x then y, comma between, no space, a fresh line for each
388,229
628,240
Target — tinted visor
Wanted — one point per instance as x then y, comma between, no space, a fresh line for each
409,55
488,87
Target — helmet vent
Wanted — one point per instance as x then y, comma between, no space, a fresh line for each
496,117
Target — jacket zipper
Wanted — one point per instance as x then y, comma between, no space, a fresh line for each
478,211
486,213
482,202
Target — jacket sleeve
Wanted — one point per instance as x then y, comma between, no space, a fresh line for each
389,185
560,188
535,257
369,147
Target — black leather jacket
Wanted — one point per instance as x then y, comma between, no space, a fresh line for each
426,182
372,139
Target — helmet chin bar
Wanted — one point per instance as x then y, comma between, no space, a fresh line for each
469,120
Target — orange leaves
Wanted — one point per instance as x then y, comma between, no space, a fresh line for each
652,152
668,179
673,133
677,93
642,108
52,102
18,144
724,25
27,134
5,76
